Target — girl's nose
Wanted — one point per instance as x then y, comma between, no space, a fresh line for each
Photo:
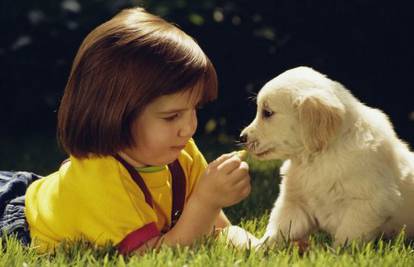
189,126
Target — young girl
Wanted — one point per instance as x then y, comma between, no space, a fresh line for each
134,176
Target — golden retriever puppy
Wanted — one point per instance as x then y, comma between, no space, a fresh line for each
346,172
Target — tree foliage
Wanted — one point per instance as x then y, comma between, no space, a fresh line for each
365,44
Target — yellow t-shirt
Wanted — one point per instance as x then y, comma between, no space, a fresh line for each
97,199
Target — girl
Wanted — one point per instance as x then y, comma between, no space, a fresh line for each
134,176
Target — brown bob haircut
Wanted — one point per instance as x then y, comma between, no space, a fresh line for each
121,66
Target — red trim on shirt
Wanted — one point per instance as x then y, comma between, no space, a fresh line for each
137,238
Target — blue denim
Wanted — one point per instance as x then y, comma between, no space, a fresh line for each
13,186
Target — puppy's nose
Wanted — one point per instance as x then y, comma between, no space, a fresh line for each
243,138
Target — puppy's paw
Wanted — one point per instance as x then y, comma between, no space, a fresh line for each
265,242
302,245
239,237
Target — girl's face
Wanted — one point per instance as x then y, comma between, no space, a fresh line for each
163,129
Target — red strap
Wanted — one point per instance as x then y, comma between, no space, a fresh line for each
179,191
138,180
137,238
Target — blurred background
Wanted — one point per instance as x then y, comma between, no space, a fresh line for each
365,44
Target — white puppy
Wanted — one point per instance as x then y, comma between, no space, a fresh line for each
346,172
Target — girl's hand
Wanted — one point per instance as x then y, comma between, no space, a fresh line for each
225,182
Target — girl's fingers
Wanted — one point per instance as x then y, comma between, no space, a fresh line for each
242,170
221,159
240,177
243,187
229,165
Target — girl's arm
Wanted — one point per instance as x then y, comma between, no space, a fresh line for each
196,221
179,235
222,221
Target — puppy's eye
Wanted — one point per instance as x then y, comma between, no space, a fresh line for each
267,113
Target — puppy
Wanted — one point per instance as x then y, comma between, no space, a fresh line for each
345,170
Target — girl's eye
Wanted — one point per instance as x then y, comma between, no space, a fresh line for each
266,113
171,118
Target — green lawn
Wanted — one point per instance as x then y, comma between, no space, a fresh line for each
252,214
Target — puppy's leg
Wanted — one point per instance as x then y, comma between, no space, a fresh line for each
288,221
359,223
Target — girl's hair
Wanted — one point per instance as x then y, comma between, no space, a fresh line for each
122,66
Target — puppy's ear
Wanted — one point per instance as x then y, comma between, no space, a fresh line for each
320,116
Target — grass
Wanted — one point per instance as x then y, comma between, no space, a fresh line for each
252,214
209,252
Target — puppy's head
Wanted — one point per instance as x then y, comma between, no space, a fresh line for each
297,112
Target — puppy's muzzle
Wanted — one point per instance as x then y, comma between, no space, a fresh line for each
243,138
247,142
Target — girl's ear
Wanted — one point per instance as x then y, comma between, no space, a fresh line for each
320,116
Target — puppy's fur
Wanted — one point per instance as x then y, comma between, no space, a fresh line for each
346,172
